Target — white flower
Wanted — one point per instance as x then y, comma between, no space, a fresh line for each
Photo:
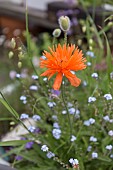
18,75
45,79
91,99
64,112
44,148
110,133
109,147
108,96
88,63
93,139
73,138
94,75
94,155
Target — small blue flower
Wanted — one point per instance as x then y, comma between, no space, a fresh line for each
18,76
24,116
91,54
91,99
110,133
92,121
84,83
23,97
31,128
56,133
51,104
73,161
56,125
109,147
87,123
94,75
71,110
108,96
89,148
64,112
36,117
33,87
29,145
54,117
94,155
88,63
50,155
34,77
73,138
93,139
44,148
106,118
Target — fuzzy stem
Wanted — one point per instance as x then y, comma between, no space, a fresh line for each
65,37
69,120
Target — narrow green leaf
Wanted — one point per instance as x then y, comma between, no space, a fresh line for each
14,142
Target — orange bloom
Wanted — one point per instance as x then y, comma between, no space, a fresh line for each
63,60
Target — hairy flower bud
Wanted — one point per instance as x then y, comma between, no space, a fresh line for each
13,43
19,64
11,54
64,23
21,55
56,32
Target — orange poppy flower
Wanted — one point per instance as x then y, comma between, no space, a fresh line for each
62,60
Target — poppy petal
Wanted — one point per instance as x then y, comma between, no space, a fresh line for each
48,73
74,80
58,81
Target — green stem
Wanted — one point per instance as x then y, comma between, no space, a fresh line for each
63,98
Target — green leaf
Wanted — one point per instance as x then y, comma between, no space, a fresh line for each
8,106
14,143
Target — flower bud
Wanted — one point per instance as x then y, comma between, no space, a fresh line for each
56,32
19,64
13,43
21,55
64,23
11,54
